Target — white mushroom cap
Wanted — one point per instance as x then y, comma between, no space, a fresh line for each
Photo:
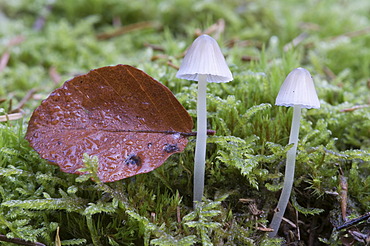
205,57
298,89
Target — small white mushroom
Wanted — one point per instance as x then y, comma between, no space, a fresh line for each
298,91
203,62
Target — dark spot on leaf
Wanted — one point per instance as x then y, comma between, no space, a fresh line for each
133,160
170,148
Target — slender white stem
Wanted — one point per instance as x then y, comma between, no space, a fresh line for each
289,172
200,148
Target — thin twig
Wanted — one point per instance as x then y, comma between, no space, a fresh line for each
246,200
249,58
6,56
354,108
25,99
4,60
40,21
169,63
265,229
19,241
57,238
354,221
178,211
9,117
15,41
155,47
243,43
215,29
361,237
343,194
178,214
298,231
54,75
330,74
352,34
290,222
126,29
161,56
297,40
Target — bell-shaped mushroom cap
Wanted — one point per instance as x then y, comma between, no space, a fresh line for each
205,57
298,89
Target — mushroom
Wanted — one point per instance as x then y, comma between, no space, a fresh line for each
204,63
298,91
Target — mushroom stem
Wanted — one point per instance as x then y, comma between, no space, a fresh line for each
289,172
200,148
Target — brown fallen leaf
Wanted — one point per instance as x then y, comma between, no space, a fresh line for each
130,121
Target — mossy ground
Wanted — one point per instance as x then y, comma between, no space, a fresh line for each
48,42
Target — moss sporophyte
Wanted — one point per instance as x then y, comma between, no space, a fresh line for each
298,91
204,63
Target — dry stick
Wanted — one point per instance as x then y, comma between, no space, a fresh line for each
15,41
330,74
343,195
10,105
354,221
169,63
155,47
9,117
297,223
178,214
23,101
297,40
354,108
217,29
19,241
5,57
57,238
353,33
264,229
4,60
40,21
361,237
249,58
291,223
54,75
126,29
